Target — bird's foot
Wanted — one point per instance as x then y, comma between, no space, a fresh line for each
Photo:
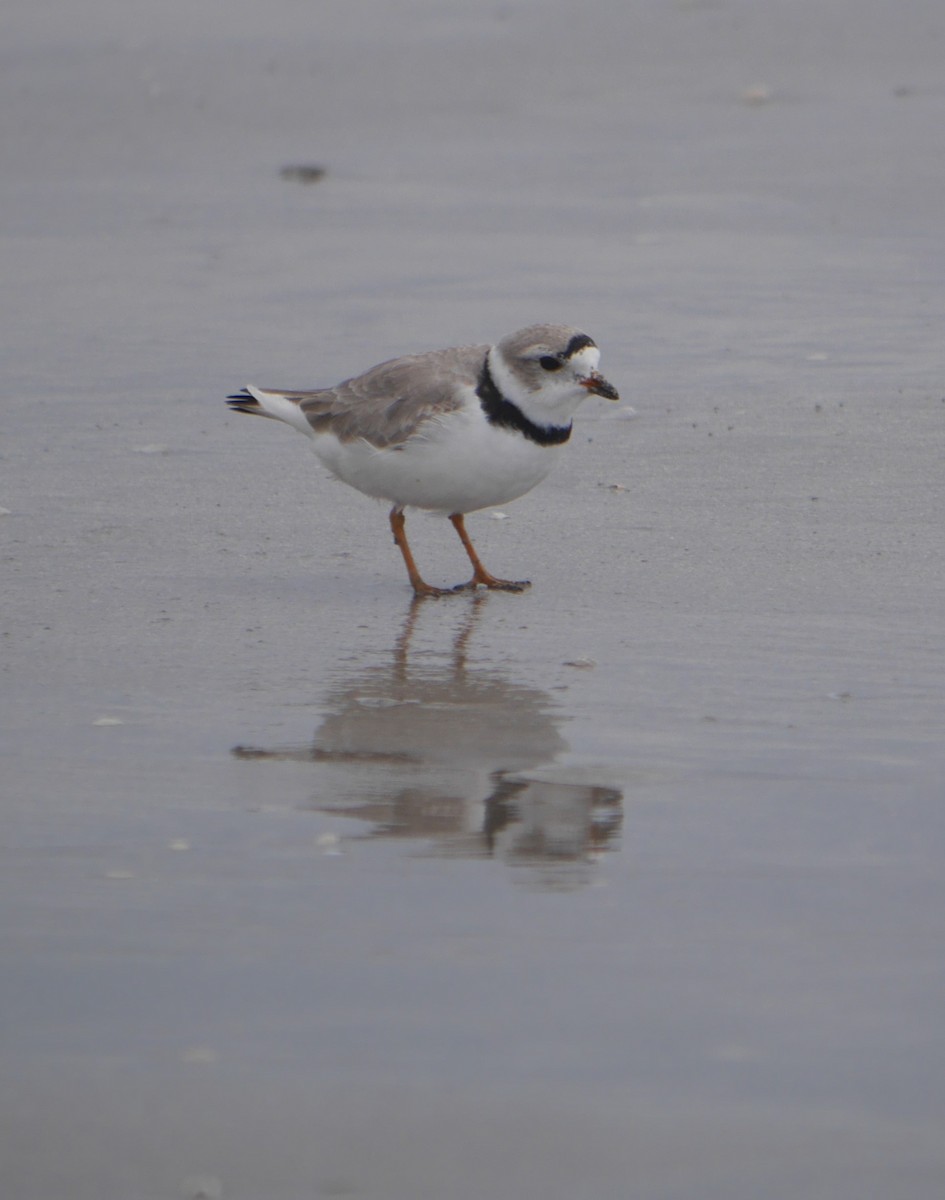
428,592
493,584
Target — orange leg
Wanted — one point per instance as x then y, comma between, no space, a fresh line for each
481,576
420,587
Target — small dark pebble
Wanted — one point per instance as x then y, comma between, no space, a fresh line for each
303,173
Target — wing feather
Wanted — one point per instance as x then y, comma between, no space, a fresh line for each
390,403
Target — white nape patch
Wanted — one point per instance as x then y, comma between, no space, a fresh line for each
282,408
504,379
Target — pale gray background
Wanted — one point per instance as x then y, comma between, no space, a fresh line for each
703,960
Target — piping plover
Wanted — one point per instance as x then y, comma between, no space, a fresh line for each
451,431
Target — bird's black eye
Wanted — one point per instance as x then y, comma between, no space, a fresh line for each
550,364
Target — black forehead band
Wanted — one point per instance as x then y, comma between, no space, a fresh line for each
579,342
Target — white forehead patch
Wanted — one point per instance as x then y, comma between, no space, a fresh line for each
585,360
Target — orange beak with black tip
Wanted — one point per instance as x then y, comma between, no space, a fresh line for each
597,385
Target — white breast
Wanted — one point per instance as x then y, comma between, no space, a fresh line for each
459,464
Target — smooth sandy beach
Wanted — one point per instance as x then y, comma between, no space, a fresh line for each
630,887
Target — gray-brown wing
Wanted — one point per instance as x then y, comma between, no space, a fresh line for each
389,403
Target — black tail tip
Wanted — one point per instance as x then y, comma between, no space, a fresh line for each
242,402
245,403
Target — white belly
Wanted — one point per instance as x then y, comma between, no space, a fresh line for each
463,467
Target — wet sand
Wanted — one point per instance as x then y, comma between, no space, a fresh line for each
627,886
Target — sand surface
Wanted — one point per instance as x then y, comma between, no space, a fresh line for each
632,886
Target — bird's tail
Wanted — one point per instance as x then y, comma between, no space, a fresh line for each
281,406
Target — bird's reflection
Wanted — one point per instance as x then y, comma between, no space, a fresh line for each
426,746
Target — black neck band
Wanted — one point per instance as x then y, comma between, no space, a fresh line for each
507,415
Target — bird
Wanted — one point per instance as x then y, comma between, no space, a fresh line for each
450,431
